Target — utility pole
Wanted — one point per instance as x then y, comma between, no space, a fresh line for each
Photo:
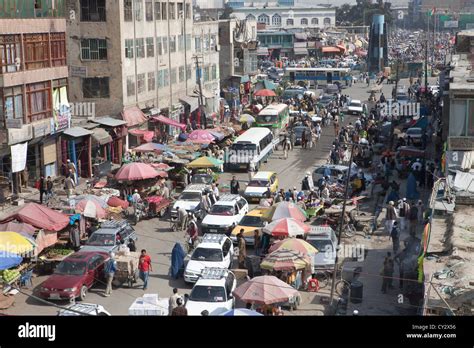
341,224
426,68
200,98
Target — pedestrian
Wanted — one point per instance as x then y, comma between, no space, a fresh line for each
257,242
251,170
205,203
173,301
403,209
69,186
144,266
49,188
390,217
75,236
242,249
109,270
421,211
73,170
413,218
43,189
234,186
215,190
182,218
387,273
305,184
180,310
400,258
395,236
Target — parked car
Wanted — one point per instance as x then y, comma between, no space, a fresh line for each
337,172
212,292
109,236
355,107
299,133
331,89
225,214
214,251
249,223
190,199
325,100
261,186
415,134
324,239
74,276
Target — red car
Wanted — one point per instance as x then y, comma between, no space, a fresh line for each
74,276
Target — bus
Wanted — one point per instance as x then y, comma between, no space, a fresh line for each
318,76
254,145
274,116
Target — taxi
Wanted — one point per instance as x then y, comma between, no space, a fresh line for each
249,223
261,186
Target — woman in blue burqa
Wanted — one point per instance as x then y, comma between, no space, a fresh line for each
412,193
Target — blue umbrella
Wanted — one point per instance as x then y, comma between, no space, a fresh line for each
241,312
9,260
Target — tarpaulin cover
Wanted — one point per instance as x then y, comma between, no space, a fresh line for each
117,202
9,260
464,182
45,239
39,216
168,121
177,261
133,116
149,147
147,135
20,227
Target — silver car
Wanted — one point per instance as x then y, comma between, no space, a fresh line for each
108,238
324,239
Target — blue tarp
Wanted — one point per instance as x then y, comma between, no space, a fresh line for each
177,261
74,218
9,260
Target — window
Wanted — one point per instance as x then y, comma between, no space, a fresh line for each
181,74
172,39
58,49
188,41
180,42
263,18
189,70
166,77
470,119
164,14
250,17
140,83
36,48
140,49
150,47
197,44
213,43
94,49
157,11
188,11
159,46
127,10
327,21
38,98
461,119
160,79
205,44
10,53
172,10
289,22
180,10
314,21
206,74
304,21
128,48
149,10
13,103
276,20
214,72
95,87
130,86
138,10
165,45
173,72
93,11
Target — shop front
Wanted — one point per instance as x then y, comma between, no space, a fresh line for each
117,129
76,145
191,110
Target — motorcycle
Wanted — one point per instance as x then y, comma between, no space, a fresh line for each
140,211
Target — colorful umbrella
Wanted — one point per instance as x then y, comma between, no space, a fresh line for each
19,227
91,209
241,312
285,210
205,162
285,260
136,171
117,202
201,136
13,242
247,118
161,166
9,260
150,147
264,93
286,227
96,199
294,244
265,290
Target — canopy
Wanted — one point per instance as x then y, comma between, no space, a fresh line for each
91,209
20,227
265,290
101,136
205,162
270,85
146,134
9,260
39,216
13,242
168,121
133,116
294,244
191,101
285,210
201,136
285,260
136,171
241,312
96,199
150,147
286,227
77,132
264,93
117,202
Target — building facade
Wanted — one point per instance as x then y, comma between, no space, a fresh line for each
377,56
34,107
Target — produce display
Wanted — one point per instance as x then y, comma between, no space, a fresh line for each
55,252
8,275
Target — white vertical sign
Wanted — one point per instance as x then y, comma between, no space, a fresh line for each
18,157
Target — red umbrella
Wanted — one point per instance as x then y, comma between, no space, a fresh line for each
201,136
286,227
162,174
265,93
161,166
265,290
117,202
97,210
136,171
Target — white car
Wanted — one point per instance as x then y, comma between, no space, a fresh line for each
415,134
212,292
214,251
190,199
324,239
355,107
225,214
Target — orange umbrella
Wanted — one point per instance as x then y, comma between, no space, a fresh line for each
265,93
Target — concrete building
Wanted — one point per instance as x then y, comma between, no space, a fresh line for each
377,57
131,58
288,17
34,107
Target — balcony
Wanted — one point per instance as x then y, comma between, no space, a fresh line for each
21,9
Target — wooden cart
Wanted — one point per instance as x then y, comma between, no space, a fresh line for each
127,269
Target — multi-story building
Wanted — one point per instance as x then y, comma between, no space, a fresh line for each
377,57
132,58
34,107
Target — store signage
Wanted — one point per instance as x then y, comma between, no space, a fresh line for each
78,71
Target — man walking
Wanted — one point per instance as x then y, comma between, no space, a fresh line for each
109,269
234,186
242,249
69,186
404,208
387,273
173,302
390,217
395,236
180,310
144,266
73,170
49,188
42,188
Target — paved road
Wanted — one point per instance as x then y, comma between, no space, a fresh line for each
155,235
